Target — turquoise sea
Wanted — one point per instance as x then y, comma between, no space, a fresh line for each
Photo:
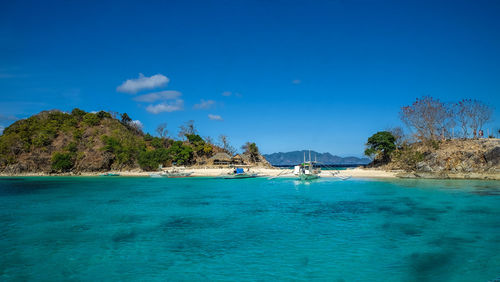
118,228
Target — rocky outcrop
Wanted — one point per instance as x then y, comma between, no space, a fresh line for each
453,159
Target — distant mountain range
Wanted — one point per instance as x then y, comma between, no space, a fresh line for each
296,157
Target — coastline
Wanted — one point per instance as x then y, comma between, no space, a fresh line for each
213,172
279,173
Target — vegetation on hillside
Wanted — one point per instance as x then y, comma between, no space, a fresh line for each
431,144
54,141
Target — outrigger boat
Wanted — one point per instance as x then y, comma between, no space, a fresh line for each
306,170
238,173
174,173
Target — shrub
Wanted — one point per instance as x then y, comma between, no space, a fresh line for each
124,146
41,140
207,150
91,119
103,114
407,158
194,138
150,160
77,134
78,114
157,142
72,147
62,161
148,137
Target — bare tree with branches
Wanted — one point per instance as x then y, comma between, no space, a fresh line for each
224,143
399,134
428,117
472,115
161,130
482,114
209,140
463,113
187,129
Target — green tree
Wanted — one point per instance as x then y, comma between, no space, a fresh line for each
62,161
126,119
380,146
103,114
91,119
251,149
149,160
180,153
78,114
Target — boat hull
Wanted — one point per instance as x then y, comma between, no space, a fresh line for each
239,176
308,176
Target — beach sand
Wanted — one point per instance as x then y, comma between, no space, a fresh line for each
212,172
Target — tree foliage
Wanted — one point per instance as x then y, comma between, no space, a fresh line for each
91,119
180,153
380,146
251,149
62,162
125,119
151,159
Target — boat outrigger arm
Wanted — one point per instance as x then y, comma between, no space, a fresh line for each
306,170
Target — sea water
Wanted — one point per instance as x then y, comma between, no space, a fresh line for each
118,228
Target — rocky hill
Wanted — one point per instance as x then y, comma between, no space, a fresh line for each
58,142
295,157
449,159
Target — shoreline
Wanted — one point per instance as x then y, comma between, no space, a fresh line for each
357,173
213,172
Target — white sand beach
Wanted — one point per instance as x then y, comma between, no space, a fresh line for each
211,172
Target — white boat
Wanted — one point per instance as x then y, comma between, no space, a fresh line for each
306,170
174,173
238,173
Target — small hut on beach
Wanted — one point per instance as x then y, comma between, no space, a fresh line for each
238,160
220,159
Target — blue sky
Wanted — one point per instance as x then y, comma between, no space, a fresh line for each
289,75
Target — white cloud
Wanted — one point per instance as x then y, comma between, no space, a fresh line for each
229,94
204,105
1,129
137,123
214,117
177,105
296,81
158,96
135,85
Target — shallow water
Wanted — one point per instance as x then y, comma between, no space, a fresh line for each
117,228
